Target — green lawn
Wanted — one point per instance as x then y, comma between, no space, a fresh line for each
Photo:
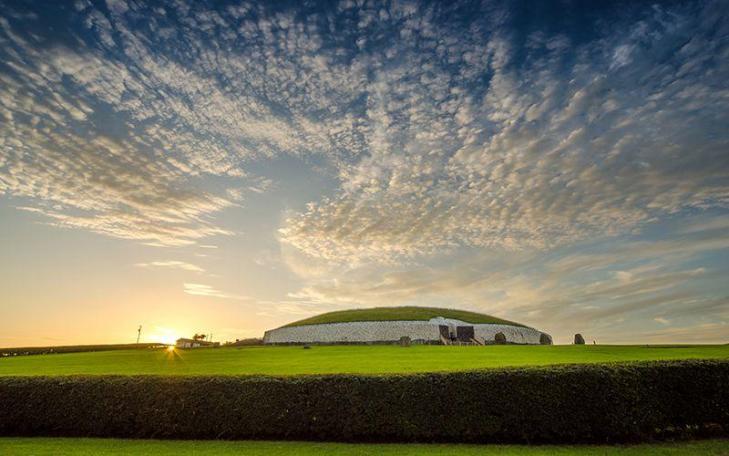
407,313
53,446
376,359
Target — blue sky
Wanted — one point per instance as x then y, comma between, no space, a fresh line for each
227,167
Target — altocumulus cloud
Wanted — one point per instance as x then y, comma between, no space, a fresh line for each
441,132
566,140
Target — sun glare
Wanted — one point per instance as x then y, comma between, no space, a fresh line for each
165,336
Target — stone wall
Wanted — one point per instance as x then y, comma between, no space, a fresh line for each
358,331
392,331
514,334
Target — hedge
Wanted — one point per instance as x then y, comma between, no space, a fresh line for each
576,403
23,351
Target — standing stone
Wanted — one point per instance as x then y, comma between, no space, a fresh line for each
500,339
579,340
545,339
404,341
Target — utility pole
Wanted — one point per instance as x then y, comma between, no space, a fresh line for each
139,332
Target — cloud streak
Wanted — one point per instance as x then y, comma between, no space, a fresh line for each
171,264
613,294
199,289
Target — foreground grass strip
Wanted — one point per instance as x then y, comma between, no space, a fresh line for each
377,359
78,447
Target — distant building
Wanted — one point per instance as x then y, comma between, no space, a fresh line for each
195,343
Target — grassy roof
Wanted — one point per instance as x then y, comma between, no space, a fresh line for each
411,313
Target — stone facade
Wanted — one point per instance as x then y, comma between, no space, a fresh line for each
514,334
354,332
392,331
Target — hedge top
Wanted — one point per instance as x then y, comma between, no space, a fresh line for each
409,313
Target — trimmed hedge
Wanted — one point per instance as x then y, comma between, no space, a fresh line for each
576,403
23,351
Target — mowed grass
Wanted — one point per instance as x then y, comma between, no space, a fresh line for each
376,359
67,446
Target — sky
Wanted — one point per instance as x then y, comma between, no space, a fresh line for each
228,167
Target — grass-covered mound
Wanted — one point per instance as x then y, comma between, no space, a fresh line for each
565,404
350,359
410,313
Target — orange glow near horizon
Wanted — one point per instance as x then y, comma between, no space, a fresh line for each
165,336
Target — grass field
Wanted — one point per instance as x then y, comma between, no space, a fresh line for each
377,359
54,446
407,313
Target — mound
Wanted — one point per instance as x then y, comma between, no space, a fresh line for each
428,325
410,313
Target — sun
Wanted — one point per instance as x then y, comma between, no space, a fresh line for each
166,336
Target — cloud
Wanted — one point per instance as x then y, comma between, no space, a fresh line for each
172,264
105,185
612,291
561,146
449,135
198,289
704,333
121,137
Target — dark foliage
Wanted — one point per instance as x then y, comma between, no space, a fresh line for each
22,351
244,342
576,403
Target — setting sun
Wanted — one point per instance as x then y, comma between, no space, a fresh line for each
165,336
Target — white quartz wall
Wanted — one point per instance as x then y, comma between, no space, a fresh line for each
358,331
514,334
384,331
